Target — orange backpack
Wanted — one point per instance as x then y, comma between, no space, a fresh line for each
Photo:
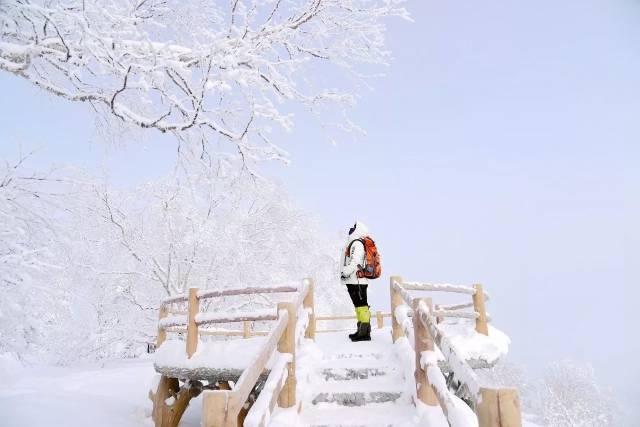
372,268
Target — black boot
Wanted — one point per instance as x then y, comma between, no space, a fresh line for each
355,334
364,333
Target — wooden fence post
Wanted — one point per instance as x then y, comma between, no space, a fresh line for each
246,329
423,342
192,327
308,303
478,306
287,344
396,300
219,409
499,408
379,319
162,334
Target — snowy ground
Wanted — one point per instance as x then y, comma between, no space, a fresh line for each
115,394
111,395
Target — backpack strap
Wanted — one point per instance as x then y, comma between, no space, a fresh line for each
356,240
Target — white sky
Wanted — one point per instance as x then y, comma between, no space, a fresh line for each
502,148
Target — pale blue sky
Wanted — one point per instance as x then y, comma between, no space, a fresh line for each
502,147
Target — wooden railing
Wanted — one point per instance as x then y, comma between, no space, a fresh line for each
295,319
380,316
222,408
494,407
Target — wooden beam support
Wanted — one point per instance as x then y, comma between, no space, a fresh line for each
192,326
499,408
309,304
379,319
423,342
396,300
246,329
478,306
219,409
287,344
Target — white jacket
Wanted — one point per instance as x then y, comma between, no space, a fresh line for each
355,257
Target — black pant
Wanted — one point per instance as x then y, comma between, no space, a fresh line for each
358,294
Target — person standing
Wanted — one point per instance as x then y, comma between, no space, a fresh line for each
360,263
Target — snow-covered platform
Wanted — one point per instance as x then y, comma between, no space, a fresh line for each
220,360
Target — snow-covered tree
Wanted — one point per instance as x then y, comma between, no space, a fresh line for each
84,266
32,300
207,71
198,229
571,397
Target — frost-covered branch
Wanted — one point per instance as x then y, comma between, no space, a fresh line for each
197,69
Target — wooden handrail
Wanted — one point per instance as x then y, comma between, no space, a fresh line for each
203,319
214,293
441,287
250,375
205,294
346,317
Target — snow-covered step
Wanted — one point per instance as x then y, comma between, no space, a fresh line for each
371,415
373,355
357,398
390,383
341,373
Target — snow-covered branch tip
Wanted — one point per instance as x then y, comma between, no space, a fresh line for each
196,69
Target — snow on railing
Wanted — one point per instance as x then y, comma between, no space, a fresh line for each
171,321
453,313
215,293
457,412
203,319
260,412
455,306
251,290
459,367
440,287
400,292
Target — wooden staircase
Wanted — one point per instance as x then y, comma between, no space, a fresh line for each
357,384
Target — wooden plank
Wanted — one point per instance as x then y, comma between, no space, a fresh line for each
192,326
423,342
287,344
250,375
379,319
478,306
